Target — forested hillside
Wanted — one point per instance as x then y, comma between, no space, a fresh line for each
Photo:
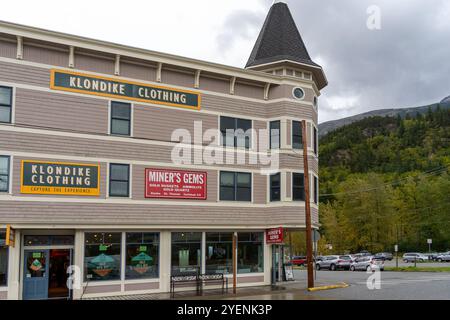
386,180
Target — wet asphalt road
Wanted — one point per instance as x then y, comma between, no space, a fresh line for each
393,285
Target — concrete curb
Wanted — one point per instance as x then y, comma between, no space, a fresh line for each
333,286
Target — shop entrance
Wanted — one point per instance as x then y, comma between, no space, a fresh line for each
46,259
45,272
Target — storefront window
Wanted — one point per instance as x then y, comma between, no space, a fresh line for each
219,252
250,252
142,255
102,256
3,260
186,252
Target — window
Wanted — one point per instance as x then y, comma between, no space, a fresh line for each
5,104
275,134
235,186
315,102
297,135
298,93
120,118
316,190
219,252
3,260
275,187
4,173
298,187
186,252
142,255
119,180
235,132
250,254
102,256
315,141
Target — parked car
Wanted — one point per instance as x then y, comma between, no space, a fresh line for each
414,257
334,263
384,256
367,263
318,258
432,256
298,260
328,262
443,257
365,253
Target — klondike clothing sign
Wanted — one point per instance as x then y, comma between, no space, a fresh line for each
117,88
60,178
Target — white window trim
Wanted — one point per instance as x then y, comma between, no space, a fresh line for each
235,201
130,179
131,119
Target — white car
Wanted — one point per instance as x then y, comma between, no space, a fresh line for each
367,263
414,257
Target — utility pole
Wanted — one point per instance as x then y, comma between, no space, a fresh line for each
234,261
309,255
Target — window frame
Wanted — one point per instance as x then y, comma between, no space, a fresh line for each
111,180
8,175
315,140
294,187
279,134
300,135
111,118
235,186
10,105
272,187
235,128
316,189
3,231
126,243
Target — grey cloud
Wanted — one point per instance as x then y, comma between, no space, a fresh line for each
241,24
406,63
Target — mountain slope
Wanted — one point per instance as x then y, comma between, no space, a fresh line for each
329,126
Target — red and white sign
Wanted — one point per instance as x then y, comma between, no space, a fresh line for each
274,235
175,184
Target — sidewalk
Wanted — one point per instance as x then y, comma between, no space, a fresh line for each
289,290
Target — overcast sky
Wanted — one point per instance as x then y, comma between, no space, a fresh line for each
405,63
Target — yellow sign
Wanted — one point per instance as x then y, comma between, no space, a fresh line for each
123,89
41,177
10,236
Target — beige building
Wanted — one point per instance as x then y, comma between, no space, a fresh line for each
93,175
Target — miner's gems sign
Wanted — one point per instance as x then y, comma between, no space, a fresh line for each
175,184
123,89
38,177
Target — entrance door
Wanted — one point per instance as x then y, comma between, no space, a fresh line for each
36,275
59,262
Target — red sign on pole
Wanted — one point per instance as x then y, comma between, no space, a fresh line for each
274,236
175,184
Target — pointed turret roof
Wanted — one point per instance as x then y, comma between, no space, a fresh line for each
279,40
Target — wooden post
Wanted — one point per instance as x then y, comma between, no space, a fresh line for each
234,262
309,255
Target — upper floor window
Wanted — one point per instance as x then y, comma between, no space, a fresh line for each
274,134
5,104
120,118
4,173
297,135
315,141
235,186
298,187
275,187
119,180
235,132
316,190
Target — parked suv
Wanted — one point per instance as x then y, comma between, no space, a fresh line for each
334,262
414,256
384,256
367,263
443,257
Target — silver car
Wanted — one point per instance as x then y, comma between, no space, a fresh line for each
367,263
414,257
443,257
328,262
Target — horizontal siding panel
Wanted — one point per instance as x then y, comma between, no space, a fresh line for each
8,49
46,56
11,72
53,110
147,215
